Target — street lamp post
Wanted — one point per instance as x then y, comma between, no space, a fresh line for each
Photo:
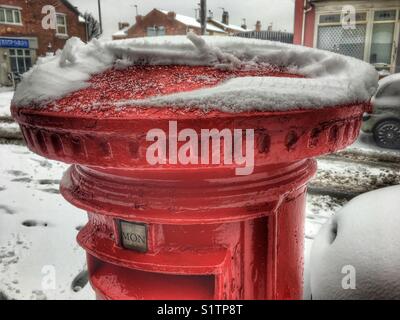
100,19
203,16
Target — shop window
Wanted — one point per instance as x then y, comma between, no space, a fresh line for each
10,16
61,24
382,37
21,60
382,43
349,42
355,42
332,36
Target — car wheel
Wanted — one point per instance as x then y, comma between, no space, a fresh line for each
387,134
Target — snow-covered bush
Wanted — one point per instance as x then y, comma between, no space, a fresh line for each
357,254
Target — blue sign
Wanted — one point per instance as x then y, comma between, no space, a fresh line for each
14,43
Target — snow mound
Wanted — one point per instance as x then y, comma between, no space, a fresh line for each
331,79
359,250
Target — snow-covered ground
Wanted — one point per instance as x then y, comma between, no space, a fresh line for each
352,177
37,230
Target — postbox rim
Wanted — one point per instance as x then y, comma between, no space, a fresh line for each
280,137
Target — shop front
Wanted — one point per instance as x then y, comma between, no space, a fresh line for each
17,55
366,30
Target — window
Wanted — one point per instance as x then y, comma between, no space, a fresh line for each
329,18
21,60
382,43
383,37
10,16
61,24
336,18
385,15
155,31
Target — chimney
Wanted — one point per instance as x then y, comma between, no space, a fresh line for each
270,27
244,25
139,18
171,15
122,25
258,26
225,17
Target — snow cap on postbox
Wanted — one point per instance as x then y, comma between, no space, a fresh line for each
317,78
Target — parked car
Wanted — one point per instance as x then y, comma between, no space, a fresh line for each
384,122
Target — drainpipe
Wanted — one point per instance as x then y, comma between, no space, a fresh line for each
306,9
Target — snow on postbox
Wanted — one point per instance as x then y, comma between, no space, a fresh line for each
192,157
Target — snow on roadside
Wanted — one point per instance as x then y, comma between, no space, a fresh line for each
352,177
6,95
10,130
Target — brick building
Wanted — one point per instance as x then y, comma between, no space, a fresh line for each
22,37
159,22
374,36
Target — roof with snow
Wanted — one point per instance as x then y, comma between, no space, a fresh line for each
74,9
71,7
229,26
192,22
122,33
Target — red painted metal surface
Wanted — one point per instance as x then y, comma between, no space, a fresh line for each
210,233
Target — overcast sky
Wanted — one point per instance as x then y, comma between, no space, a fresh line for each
278,12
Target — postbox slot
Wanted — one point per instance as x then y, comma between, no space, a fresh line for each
142,285
208,260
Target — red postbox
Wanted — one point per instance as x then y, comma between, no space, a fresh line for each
175,231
